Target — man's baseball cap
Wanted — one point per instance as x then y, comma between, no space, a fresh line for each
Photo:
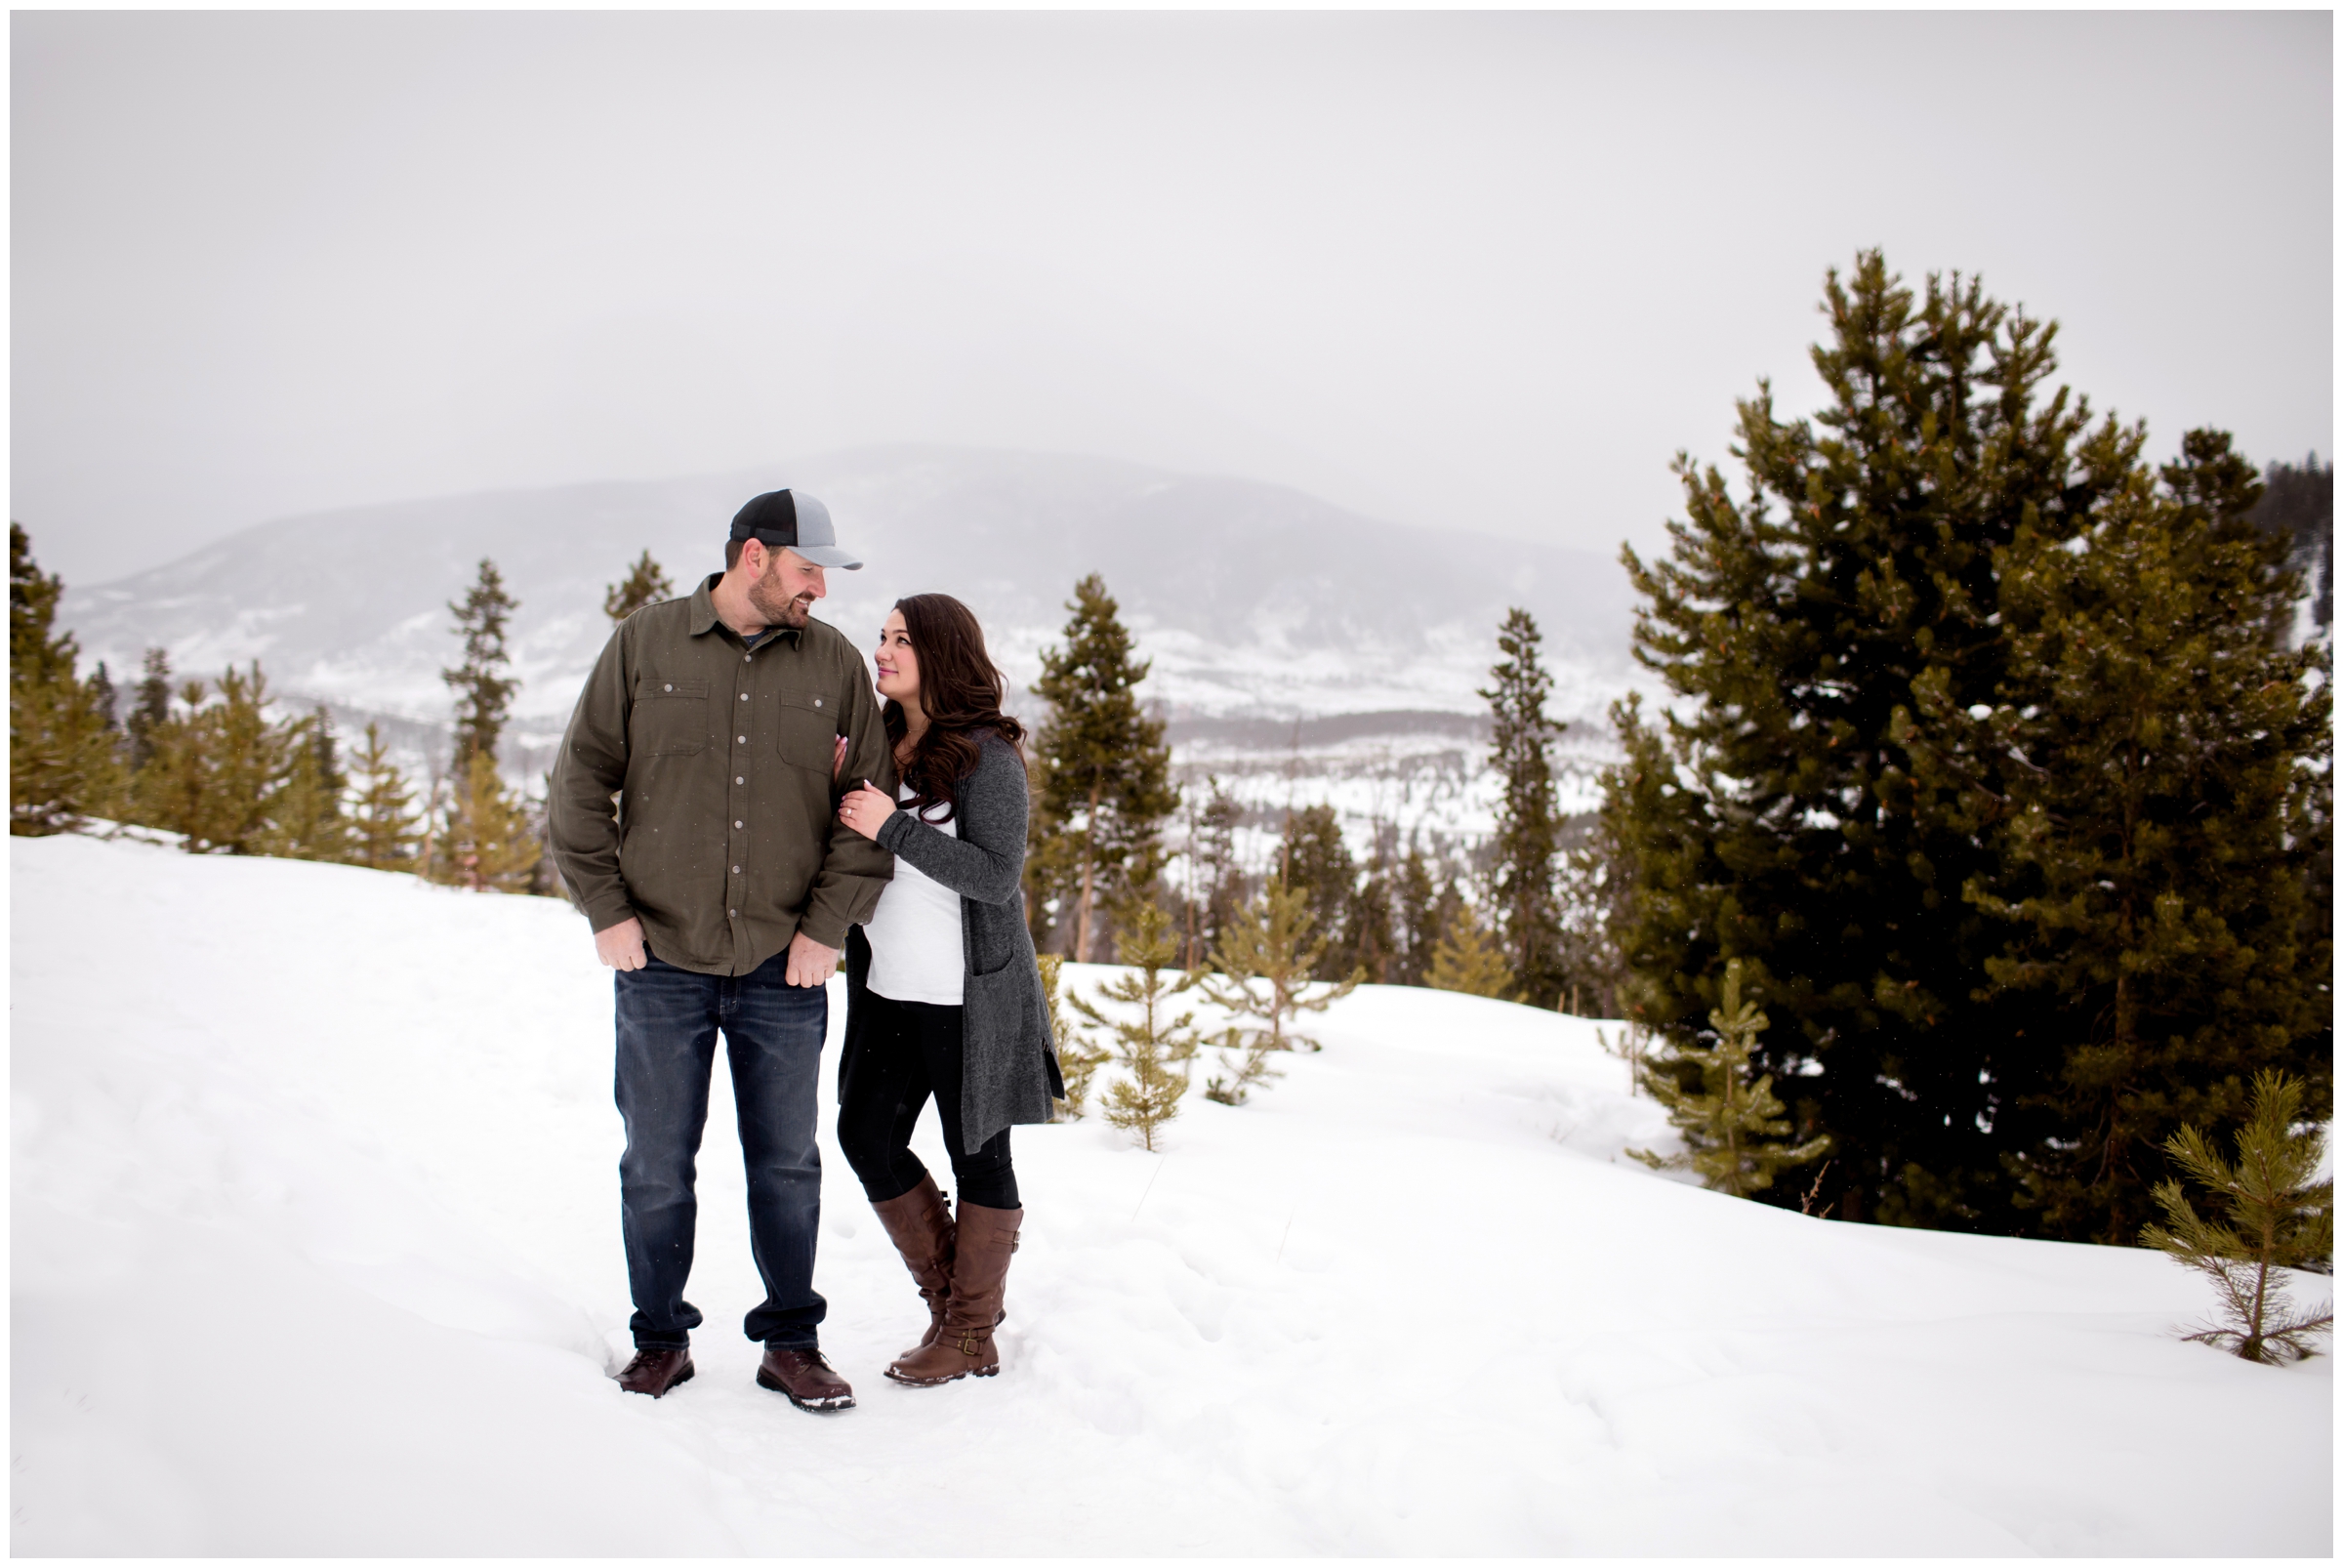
793,520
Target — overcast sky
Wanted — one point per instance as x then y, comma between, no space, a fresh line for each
1487,271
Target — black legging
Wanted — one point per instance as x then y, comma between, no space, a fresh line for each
905,1052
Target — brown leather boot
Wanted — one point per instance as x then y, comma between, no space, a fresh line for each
980,1281
806,1375
655,1372
921,1227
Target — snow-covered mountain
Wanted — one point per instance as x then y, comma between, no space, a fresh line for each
1253,600
1259,607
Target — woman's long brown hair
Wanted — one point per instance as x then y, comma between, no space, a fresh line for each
960,690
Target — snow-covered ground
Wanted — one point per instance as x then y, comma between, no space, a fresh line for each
315,1250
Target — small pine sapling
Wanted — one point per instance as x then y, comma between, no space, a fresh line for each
1246,1052
1467,959
386,817
2279,1218
1265,957
1732,1125
1077,1057
1149,1045
1630,1046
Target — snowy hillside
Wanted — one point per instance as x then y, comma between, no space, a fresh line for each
315,1250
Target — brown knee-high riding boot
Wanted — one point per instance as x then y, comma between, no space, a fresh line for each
980,1281
922,1229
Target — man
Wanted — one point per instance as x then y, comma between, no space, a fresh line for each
720,892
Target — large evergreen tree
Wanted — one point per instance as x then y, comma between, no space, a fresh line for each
1529,820
63,762
1775,817
1840,796
2165,835
1101,778
483,681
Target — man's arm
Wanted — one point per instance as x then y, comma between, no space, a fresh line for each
854,870
581,828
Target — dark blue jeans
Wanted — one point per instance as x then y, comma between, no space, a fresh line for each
667,1020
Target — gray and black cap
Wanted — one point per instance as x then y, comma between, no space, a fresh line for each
794,520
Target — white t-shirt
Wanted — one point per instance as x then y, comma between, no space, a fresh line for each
916,949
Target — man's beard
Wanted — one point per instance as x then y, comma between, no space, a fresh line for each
792,613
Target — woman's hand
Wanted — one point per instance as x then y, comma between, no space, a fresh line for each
865,811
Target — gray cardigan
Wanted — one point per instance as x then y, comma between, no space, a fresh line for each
1008,1063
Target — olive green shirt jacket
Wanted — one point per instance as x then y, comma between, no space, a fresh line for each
726,842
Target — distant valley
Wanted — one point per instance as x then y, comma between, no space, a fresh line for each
1301,651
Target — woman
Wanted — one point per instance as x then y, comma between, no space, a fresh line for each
943,996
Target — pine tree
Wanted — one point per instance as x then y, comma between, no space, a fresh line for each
1529,820
1467,959
166,790
305,816
1592,896
1149,1045
2277,1219
1078,1060
2165,833
1264,968
1731,1127
217,766
1102,776
1415,921
107,701
484,842
646,583
37,651
1213,865
150,710
2298,505
483,687
1370,941
385,822
62,763
1774,815
1315,862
